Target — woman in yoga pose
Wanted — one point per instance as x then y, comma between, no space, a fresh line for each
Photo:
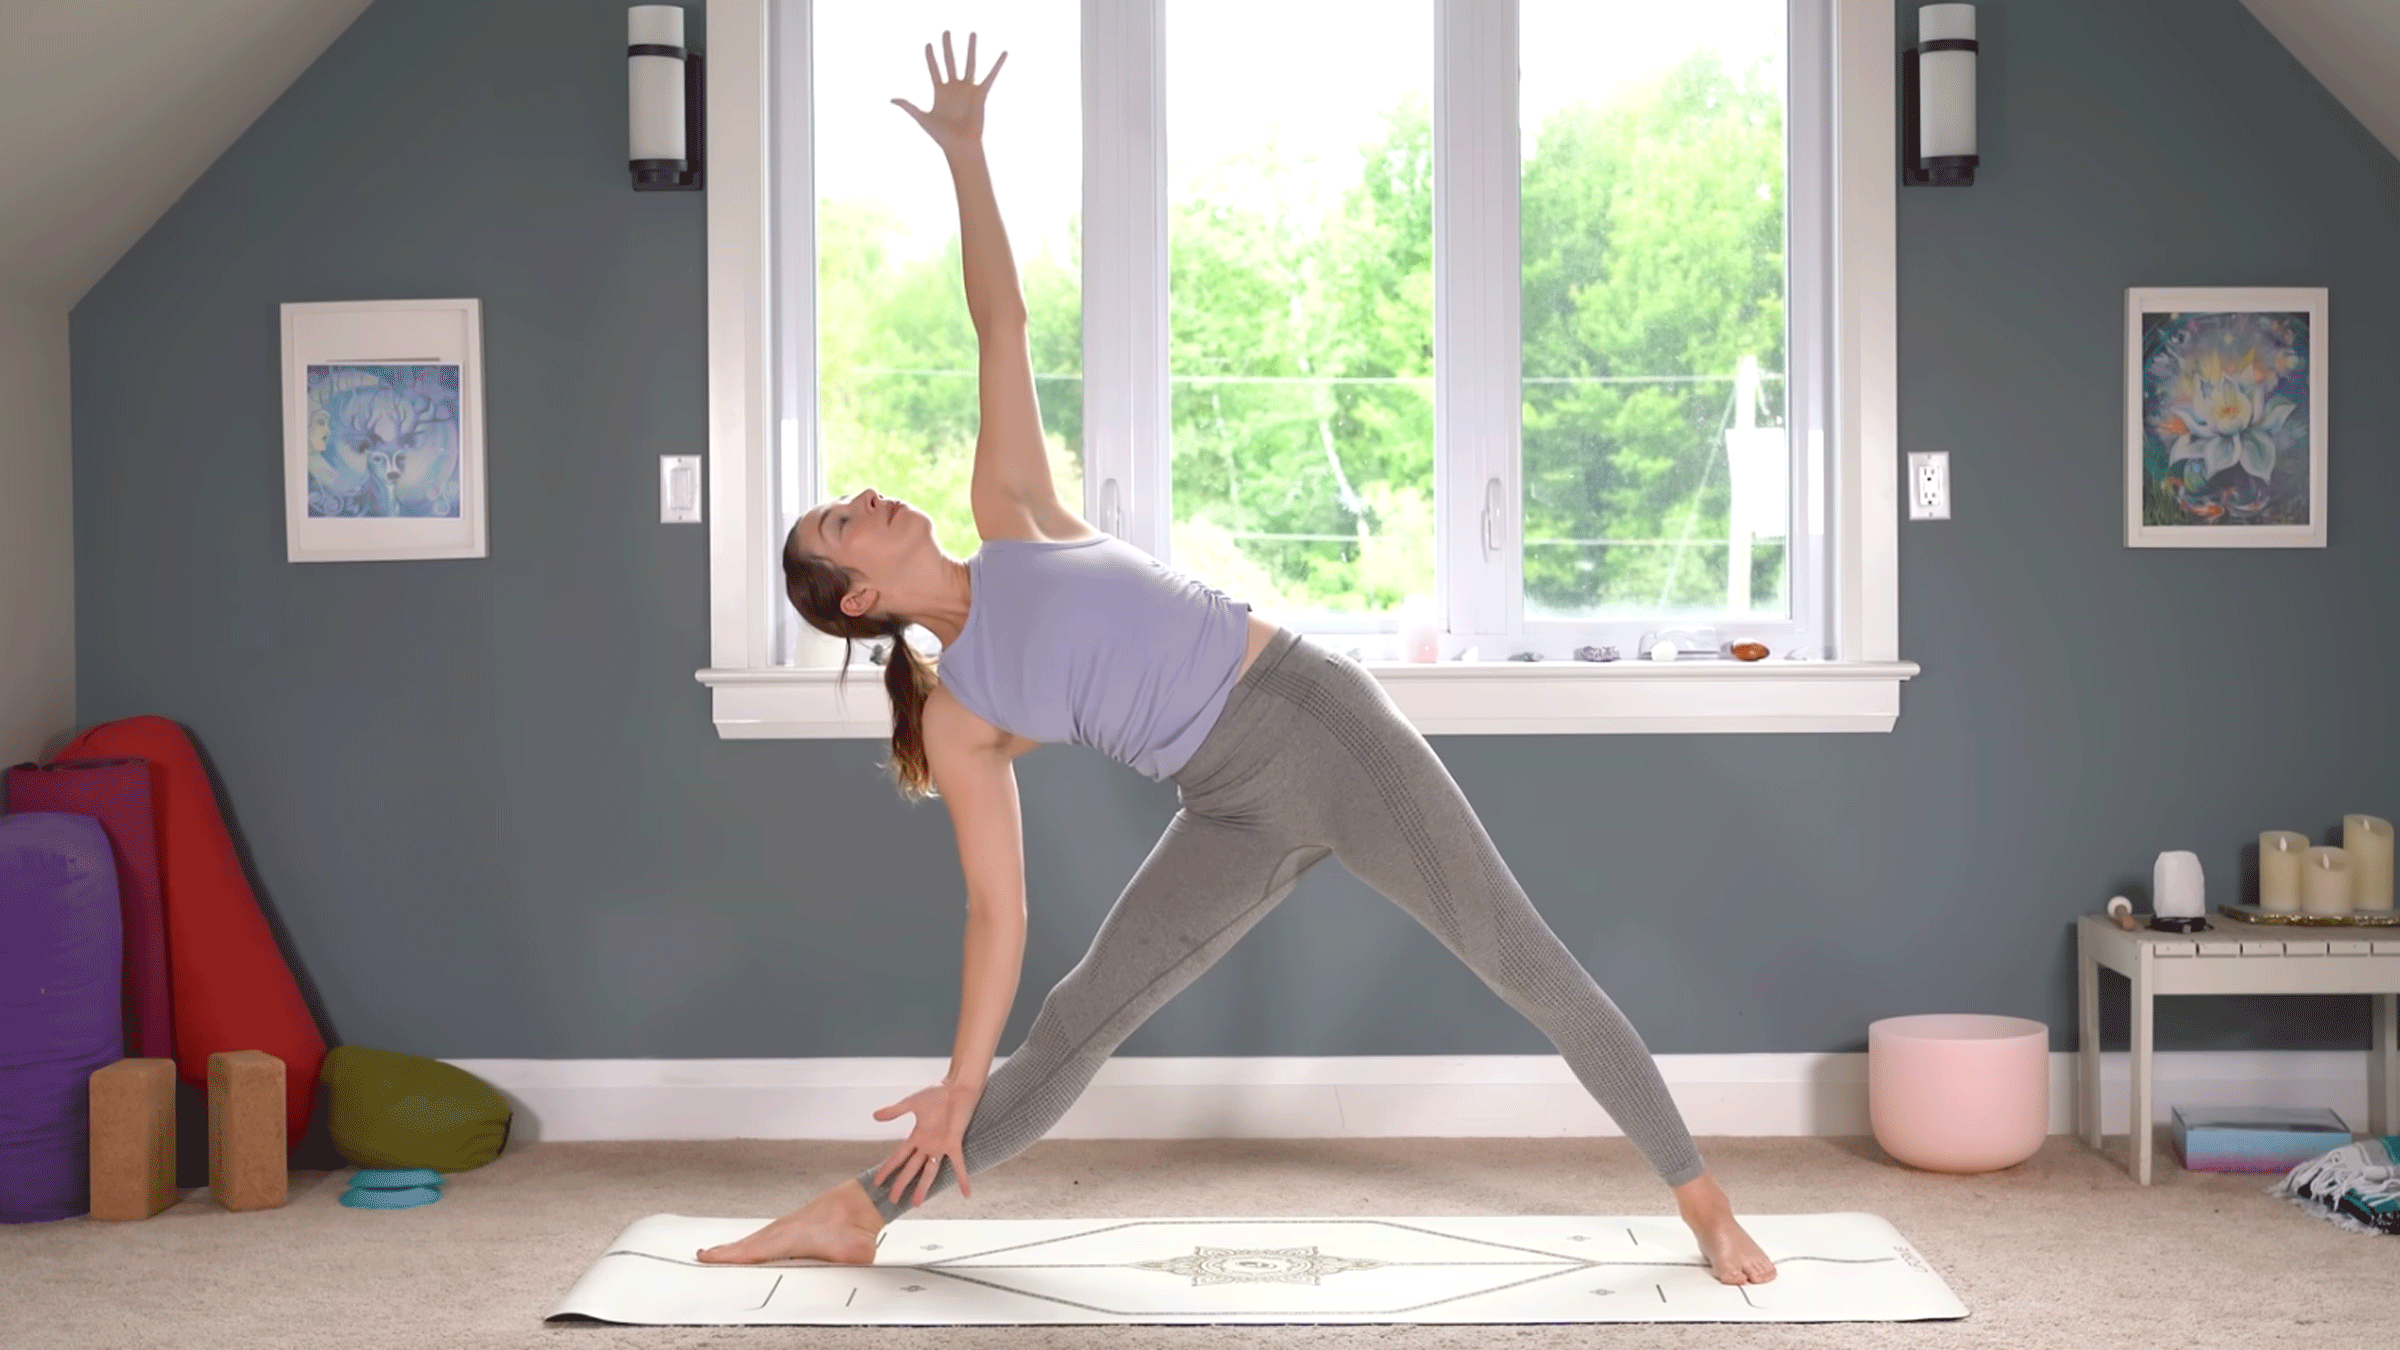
1283,754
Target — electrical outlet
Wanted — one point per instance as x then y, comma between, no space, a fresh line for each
678,489
1929,485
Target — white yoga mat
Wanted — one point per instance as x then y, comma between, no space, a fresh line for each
1010,1272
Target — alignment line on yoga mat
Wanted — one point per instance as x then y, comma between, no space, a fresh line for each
1453,1269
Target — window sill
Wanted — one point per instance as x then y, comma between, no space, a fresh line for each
1448,699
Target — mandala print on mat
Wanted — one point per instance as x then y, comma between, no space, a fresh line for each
1256,1265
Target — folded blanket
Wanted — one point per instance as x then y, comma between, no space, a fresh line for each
2356,1185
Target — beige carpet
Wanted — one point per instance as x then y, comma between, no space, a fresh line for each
2060,1253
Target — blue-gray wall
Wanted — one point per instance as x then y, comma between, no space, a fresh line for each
484,802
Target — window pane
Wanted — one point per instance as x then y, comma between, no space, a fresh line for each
1300,238
896,376
1655,470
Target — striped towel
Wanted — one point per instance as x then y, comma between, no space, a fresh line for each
2356,1186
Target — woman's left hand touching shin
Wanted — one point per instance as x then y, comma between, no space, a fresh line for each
942,1113
955,121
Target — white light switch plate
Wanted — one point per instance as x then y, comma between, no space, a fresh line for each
678,489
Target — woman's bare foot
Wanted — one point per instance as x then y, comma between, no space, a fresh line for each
1732,1256
838,1226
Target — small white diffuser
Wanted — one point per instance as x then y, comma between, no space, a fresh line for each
2178,898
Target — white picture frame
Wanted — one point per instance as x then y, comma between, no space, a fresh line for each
2225,417
383,449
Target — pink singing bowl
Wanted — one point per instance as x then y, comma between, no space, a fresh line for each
1959,1092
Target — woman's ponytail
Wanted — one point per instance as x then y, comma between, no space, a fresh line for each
908,677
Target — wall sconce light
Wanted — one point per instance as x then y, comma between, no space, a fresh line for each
666,101
1937,99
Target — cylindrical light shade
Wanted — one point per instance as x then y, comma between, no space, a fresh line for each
1946,82
655,82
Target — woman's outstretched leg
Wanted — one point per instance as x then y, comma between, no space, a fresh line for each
1403,827
1204,885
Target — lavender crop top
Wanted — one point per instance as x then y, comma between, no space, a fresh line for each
1096,643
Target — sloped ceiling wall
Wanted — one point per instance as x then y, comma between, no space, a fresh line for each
2352,47
114,107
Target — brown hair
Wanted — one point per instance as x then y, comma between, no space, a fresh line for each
816,585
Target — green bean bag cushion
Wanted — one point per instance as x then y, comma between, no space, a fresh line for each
395,1110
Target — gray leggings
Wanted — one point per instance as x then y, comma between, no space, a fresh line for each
1309,759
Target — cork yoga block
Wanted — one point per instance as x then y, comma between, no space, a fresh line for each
133,1139
246,1150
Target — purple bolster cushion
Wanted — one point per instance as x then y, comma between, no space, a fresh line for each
61,944
116,792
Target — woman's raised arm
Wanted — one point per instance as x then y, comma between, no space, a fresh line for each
1012,492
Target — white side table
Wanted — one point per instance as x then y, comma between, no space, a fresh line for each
2230,957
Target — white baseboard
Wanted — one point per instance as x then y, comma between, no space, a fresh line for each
1471,1096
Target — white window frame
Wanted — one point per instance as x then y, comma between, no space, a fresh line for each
771,677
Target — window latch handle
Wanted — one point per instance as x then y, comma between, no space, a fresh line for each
1112,509
1492,521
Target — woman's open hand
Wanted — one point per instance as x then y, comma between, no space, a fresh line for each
942,1112
956,119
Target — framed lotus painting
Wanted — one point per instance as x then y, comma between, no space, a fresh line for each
2225,418
383,430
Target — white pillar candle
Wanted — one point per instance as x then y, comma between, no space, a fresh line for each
2325,882
2279,855
2368,841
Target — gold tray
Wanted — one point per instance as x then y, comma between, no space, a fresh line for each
2373,918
